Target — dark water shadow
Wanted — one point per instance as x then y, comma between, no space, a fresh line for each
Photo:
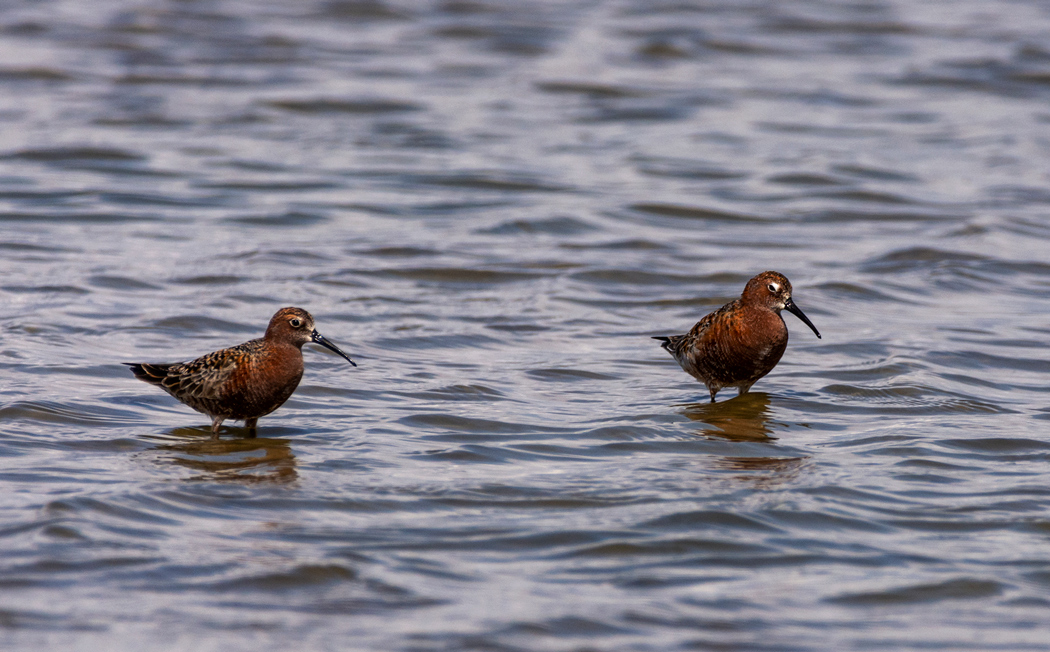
744,418
245,459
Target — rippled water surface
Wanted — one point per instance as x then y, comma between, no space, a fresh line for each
492,206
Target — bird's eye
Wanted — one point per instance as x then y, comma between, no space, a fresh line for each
296,323
774,288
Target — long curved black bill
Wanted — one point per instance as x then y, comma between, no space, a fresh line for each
319,339
796,311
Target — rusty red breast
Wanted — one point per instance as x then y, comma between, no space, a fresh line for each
246,381
743,340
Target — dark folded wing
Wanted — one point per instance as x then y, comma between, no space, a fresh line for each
202,378
677,345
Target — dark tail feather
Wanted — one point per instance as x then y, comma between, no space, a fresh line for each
664,341
153,374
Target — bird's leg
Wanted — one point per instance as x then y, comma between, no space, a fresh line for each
713,392
215,423
250,425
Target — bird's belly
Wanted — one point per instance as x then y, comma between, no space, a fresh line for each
732,365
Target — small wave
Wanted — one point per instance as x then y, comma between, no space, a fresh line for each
357,106
466,276
472,427
562,375
74,154
82,414
694,213
302,577
957,589
907,398
457,393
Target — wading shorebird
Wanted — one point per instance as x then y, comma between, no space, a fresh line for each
743,340
246,381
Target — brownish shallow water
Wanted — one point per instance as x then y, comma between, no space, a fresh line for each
491,206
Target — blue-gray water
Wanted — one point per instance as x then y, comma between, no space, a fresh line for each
492,205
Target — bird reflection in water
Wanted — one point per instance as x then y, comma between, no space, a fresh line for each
746,419
248,460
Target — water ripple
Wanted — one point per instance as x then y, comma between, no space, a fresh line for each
497,204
